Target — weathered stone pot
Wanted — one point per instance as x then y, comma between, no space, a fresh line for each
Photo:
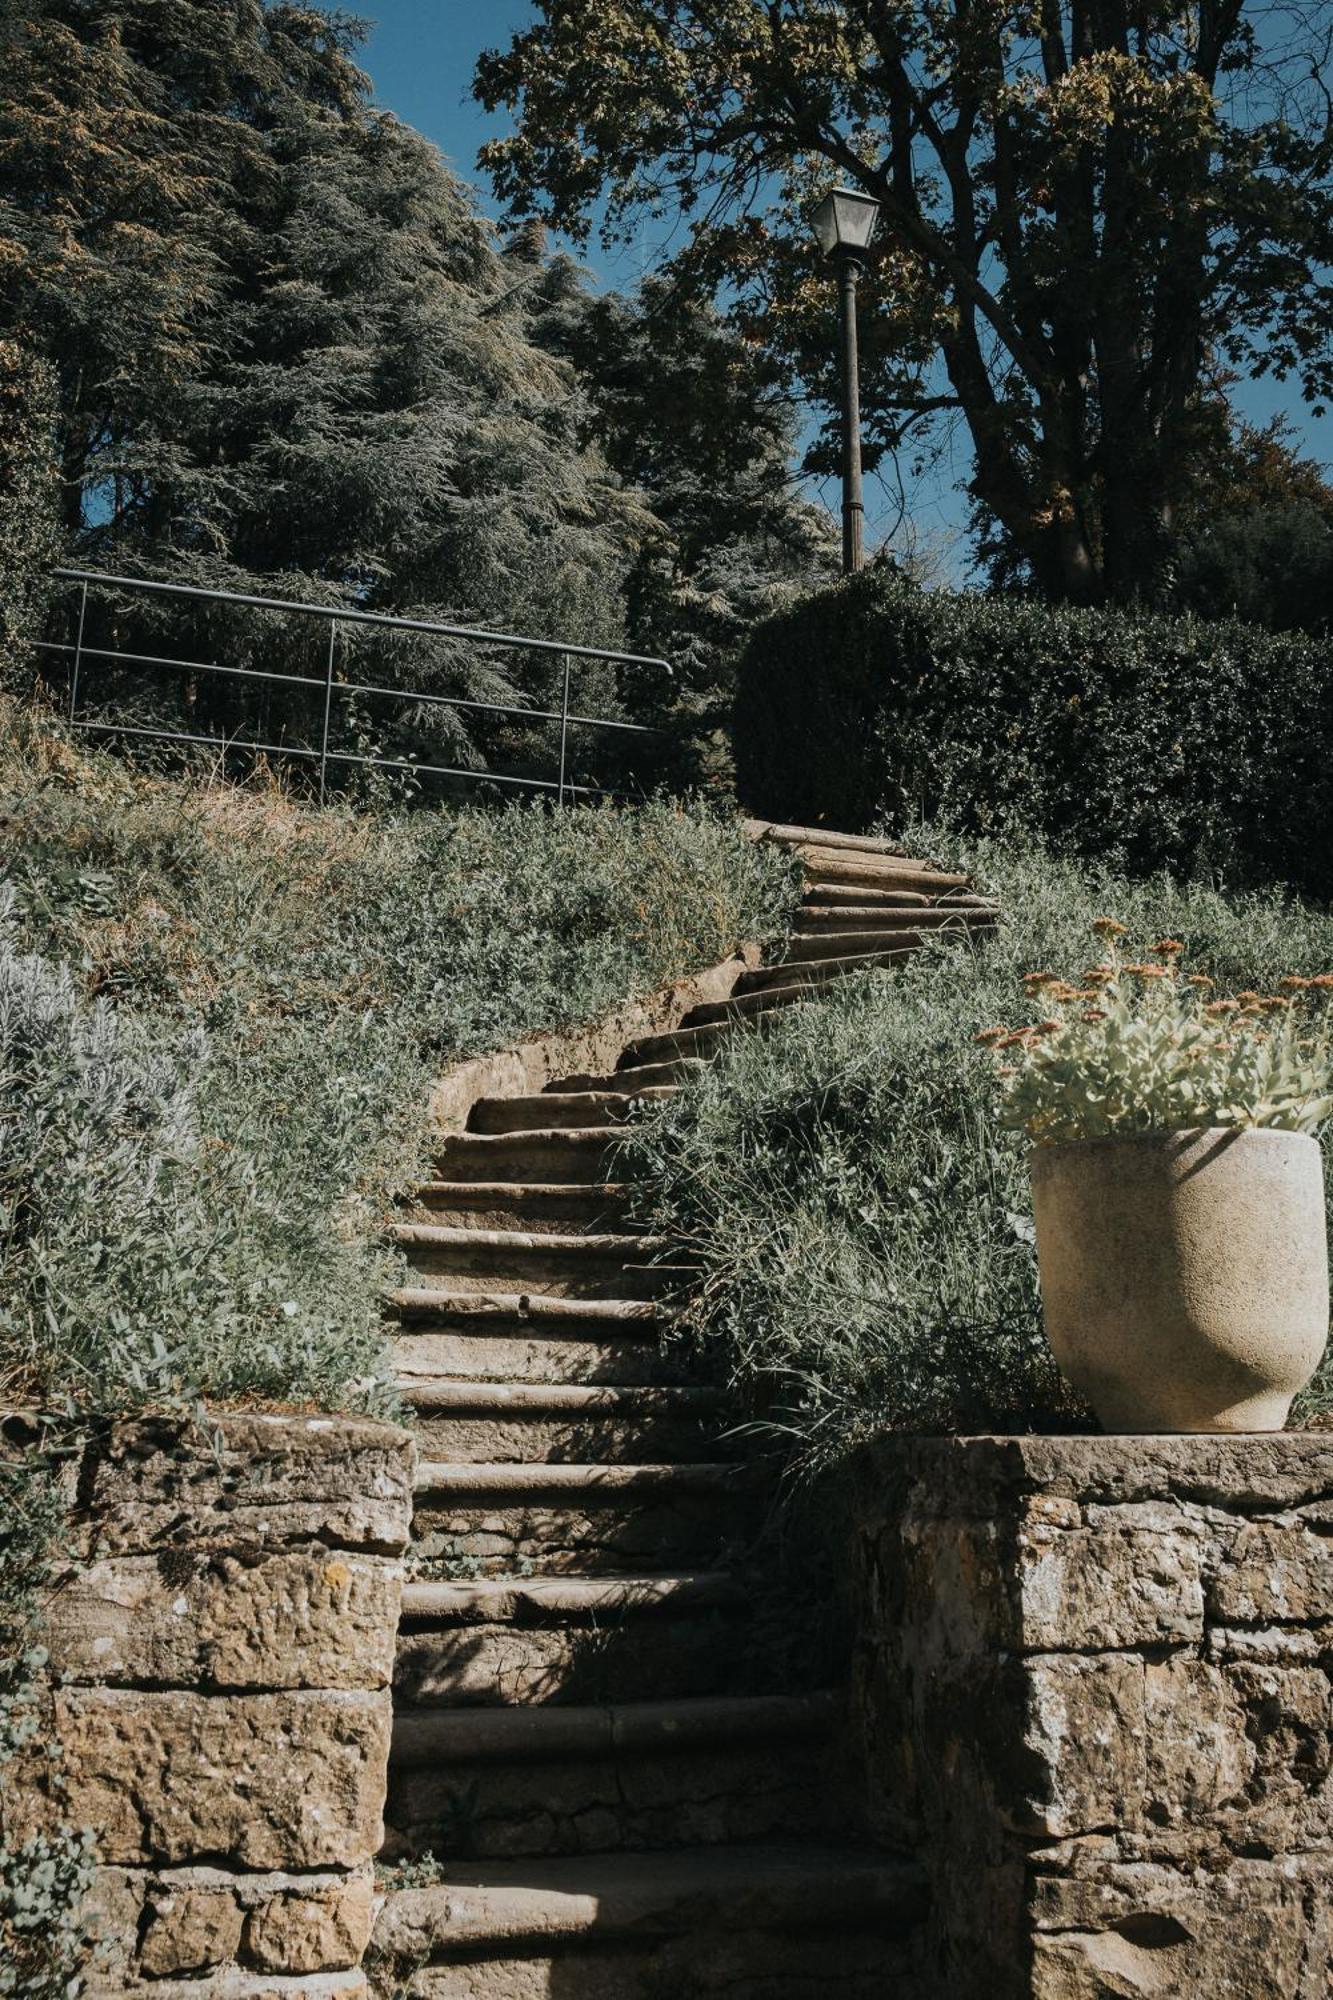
1184,1275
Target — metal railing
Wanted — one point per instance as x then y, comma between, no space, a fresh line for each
330,688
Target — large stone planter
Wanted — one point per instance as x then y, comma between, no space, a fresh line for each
1184,1275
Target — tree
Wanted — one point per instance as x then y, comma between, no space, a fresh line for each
290,357
700,423
1086,205
28,526
1255,536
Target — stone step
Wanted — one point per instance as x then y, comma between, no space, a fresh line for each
704,1041
586,1266
604,1777
554,1209
743,1010
829,895
837,867
821,917
557,1157
489,1422
823,836
567,1639
834,895
561,1111
744,1922
646,1076
494,1519
818,947
813,973
596,1357
439,1482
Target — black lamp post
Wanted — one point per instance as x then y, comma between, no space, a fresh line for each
844,226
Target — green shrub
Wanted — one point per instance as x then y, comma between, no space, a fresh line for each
1151,741
862,1219
219,1017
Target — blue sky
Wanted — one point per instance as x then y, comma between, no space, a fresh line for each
421,55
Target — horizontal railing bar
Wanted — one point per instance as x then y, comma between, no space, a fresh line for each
493,707
189,666
334,756
347,616
345,687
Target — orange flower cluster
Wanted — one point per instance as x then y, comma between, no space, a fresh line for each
1053,989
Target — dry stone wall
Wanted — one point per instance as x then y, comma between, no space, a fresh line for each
1093,1691
221,1654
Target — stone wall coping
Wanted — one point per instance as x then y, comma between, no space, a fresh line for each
972,1476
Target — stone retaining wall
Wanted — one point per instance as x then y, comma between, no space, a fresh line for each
221,1660
1093,1687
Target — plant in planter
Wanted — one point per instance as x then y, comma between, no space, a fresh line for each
1177,1186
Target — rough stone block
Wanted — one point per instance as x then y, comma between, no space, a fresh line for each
1255,1931
1277,1573
313,1618
257,1480
188,1929
313,1927
291,1780
1083,1741
1090,1590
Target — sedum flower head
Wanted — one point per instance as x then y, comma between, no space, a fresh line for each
1137,1049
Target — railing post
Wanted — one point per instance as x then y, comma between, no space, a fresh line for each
78,654
328,702
564,729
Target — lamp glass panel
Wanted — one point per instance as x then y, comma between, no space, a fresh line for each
856,216
824,222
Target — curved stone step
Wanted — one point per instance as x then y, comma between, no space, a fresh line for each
583,1485
561,1111
822,917
555,1779
742,1011
539,1208
691,1893
567,1640
587,1266
812,973
493,1519
490,1423
838,867
823,836
550,1155
818,947
523,1311
646,1075
540,1600
703,1041
582,1354
539,1735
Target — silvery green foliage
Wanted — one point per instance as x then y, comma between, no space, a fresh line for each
45,1945
99,1235
1139,1048
141,1261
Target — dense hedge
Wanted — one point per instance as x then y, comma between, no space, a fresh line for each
1153,741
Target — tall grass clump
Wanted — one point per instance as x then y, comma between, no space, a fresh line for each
861,1217
220,1013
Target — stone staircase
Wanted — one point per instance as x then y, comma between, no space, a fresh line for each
617,1803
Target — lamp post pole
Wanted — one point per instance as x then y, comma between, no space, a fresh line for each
844,227
853,505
